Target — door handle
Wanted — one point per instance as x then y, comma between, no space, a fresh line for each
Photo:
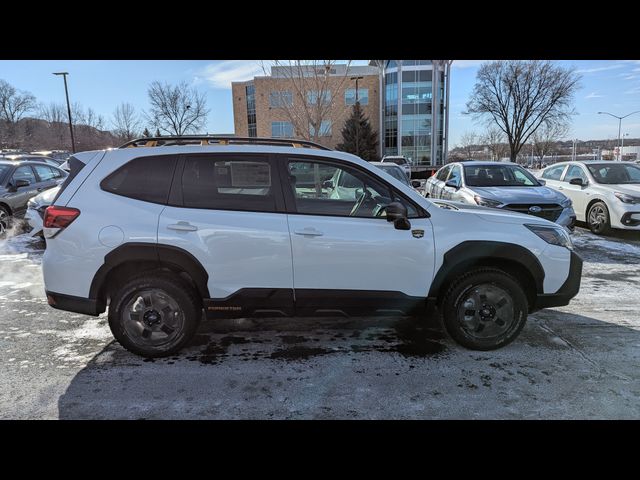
311,232
182,227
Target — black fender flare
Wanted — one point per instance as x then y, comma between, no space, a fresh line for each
162,255
473,252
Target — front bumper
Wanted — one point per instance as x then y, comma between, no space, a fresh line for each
567,291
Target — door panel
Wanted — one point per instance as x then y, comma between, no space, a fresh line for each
578,195
355,262
230,221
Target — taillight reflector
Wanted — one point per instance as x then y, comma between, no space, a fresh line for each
59,217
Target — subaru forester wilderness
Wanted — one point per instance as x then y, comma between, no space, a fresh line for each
164,229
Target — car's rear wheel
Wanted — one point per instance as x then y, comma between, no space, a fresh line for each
484,309
154,315
598,218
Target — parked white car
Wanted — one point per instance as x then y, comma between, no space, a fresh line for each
35,210
159,235
605,194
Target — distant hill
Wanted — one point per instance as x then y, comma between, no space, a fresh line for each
37,134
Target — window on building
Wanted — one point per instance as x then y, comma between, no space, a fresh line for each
279,99
251,110
313,95
281,129
350,96
325,129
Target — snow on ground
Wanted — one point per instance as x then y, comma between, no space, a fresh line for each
20,266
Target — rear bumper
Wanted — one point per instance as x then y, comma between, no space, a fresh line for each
567,291
87,306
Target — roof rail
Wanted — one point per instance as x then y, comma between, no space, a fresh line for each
204,140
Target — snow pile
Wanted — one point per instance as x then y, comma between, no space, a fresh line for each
20,266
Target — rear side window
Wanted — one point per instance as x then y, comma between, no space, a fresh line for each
75,166
229,183
146,178
553,173
45,173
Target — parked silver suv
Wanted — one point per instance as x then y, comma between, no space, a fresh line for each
501,185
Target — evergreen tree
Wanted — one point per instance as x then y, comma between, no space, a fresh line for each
158,132
358,137
146,133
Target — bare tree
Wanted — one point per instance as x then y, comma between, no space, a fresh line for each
468,141
495,141
55,114
126,122
520,95
178,109
14,105
546,137
315,94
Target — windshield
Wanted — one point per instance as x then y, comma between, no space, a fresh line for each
498,176
396,173
615,173
396,160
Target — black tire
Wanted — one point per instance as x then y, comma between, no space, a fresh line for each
172,289
599,211
5,221
472,322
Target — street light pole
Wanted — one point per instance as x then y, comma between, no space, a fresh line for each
622,146
619,128
66,91
358,120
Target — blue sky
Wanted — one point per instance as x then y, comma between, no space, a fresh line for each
609,85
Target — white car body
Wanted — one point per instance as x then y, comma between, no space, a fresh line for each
320,259
622,215
35,210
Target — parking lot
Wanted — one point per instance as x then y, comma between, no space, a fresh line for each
574,362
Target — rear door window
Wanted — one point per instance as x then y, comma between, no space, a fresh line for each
229,182
45,173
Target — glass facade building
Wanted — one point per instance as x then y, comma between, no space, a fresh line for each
414,110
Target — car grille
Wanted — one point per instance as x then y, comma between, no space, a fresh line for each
550,211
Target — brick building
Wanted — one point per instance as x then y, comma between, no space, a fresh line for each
257,103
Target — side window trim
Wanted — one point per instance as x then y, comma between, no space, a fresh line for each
290,203
565,168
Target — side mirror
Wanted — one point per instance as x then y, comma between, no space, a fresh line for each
415,183
397,213
577,181
452,184
327,184
542,181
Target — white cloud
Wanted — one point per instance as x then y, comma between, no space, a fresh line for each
220,75
594,95
601,69
467,63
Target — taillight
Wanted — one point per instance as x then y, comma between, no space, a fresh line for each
58,218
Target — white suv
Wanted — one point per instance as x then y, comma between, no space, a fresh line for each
166,229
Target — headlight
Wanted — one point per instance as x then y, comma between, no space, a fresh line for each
485,202
32,204
553,235
624,198
566,203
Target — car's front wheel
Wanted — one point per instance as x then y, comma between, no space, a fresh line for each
154,314
598,218
4,221
484,309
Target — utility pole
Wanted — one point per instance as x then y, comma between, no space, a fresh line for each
358,121
620,141
66,92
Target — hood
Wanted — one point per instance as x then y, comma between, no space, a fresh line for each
498,215
520,194
629,189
